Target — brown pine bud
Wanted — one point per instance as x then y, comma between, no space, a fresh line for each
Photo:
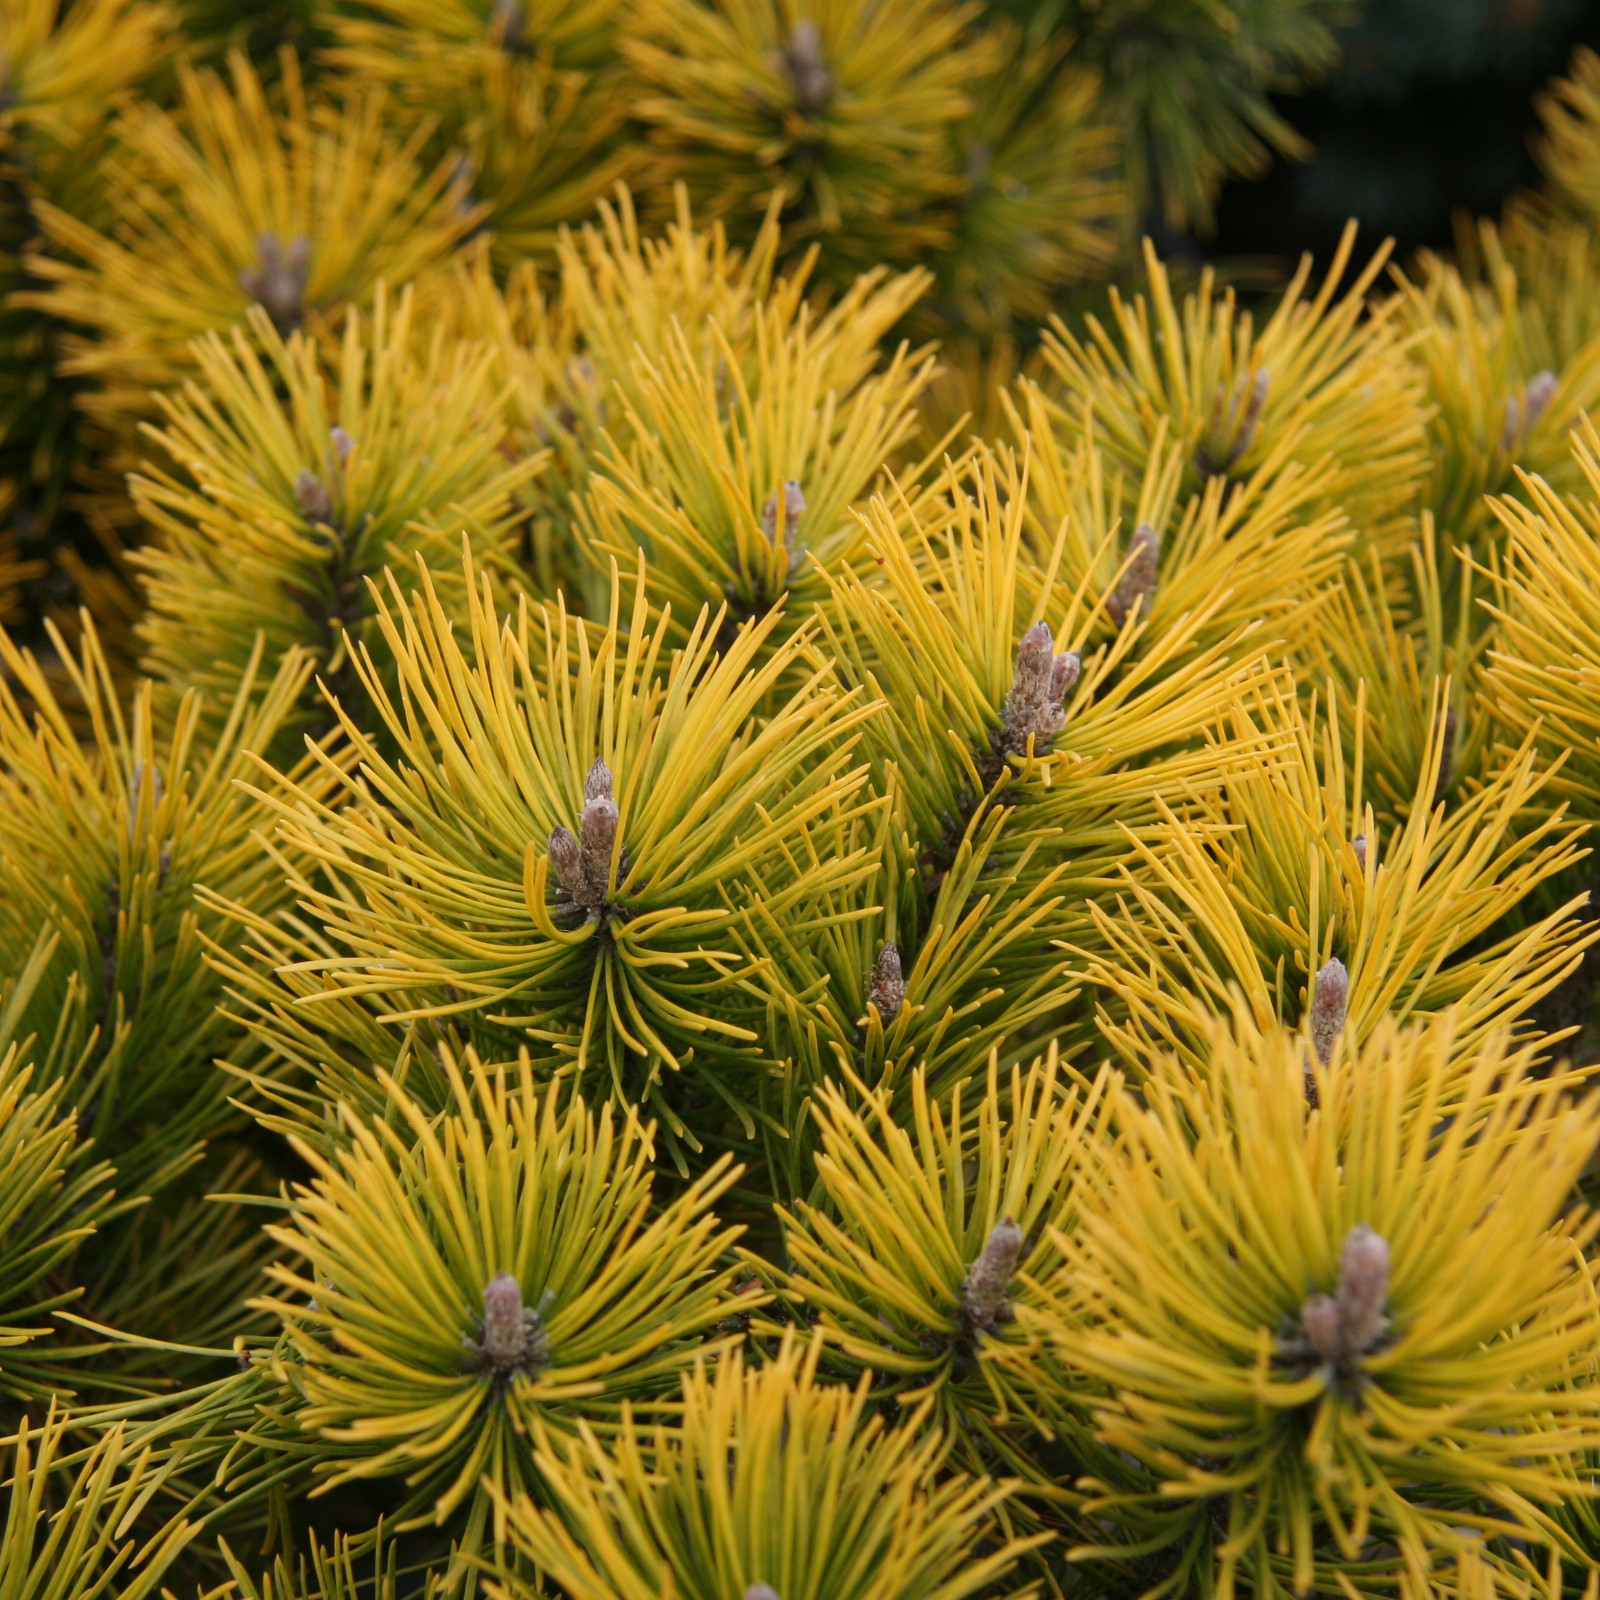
887,988
566,861
1359,845
311,495
1035,656
1033,707
597,833
1520,419
505,1331
1259,388
1330,1000
802,60
761,1591
794,505
278,280
342,445
506,24
1064,672
983,1296
1363,1290
1138,581
597,783
1319,1320
1230,435
1539,393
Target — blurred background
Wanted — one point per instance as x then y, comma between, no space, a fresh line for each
1429,112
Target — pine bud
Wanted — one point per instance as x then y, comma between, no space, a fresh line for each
1035,654
1038,685
1319,1320
1138,580
342,444
1064,672
1341,1328
983,1296
1330,1000
566,861
887,988
278,281
1259,388
1359,845
761,1591
505,1332
802,60
506,23
597,833
794,505
597,784
311,495
1363,1290
1520,420
1230,436
1540,391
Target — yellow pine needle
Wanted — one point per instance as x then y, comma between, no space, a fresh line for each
52,1198
1321,381
935,633
770,1477
1543,681
846,113
516,93
906,1205
196,192
1225,1203
65,64
419,452
1504,393
1044,204
401,1230
700,486
1252,888
496,741
102,842
72,1536
1237,555
1390,658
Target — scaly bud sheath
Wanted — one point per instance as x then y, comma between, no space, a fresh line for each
1519,422
342,444
505,1330
1138,581
887,988
311,495
1363,1289
278,281
597,833
802,60
1040,682
566,861
794,505
1342,1327
597,785
1319,1319
1231,436
983,1296
1330,1000
761,1591
506,22
1359,845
